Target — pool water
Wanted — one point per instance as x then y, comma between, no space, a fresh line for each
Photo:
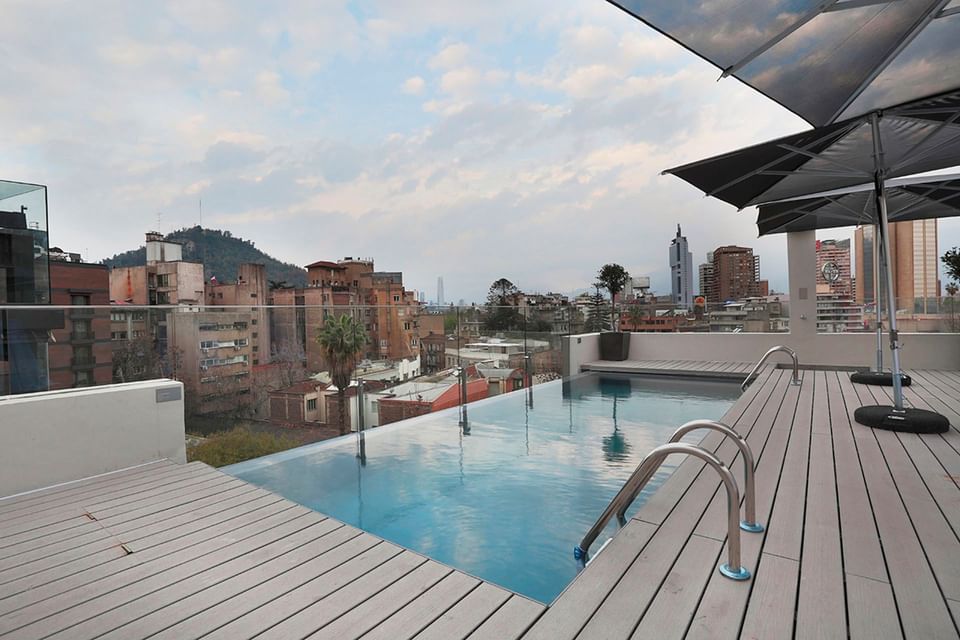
508,497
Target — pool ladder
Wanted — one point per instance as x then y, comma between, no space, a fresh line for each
648,467
784,349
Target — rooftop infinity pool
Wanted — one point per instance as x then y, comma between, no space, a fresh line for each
507,497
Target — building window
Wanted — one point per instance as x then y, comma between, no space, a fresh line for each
80,299
118,335
254,334
312,404
254,321
406,326
396,298
83,378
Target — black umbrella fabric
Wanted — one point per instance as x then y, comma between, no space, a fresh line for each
912,138
825,60
901,141
907,199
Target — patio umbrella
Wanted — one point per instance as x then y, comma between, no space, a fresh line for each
825,60
914,198
911,138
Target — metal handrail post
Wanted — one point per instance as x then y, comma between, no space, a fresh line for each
732,568
749,522
793,355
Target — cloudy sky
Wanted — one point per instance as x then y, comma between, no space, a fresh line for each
469,140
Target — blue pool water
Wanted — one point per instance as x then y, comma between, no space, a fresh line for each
507,499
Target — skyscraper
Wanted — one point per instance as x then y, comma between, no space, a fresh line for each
706,278
914,247
440,291
736,274
681,271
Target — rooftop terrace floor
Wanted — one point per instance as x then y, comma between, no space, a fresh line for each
861,541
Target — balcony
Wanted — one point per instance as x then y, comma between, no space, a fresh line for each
82,312
82,336
83,362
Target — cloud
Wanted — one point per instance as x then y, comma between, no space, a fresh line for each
533,151
414,85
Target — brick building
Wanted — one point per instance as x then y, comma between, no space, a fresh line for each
80,354
735,275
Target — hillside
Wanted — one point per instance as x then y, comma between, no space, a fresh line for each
221,253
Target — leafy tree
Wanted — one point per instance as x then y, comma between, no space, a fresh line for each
598,318
502,314
951,262
613,278
341,338
273,285
952,289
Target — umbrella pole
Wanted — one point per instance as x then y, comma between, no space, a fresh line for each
884,229
876,295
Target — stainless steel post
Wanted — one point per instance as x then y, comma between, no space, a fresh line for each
884,229
749,522
732,568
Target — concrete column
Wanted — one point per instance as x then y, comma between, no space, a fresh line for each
802,271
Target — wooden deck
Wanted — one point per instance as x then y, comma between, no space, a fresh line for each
686,368
861,537
861,542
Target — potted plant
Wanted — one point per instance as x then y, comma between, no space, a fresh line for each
614,345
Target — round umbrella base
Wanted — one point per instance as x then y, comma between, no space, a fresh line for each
908,420
881,378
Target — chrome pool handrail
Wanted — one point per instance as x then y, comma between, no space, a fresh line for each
646,468
749,522
770,352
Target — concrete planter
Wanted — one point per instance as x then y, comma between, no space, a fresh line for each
614,346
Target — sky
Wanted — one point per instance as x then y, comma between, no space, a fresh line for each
472,141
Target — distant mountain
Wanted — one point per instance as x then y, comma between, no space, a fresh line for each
221,254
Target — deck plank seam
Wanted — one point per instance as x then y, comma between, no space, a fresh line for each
69,561
356,533
97,594
396,552
773,500
318,535
909,515
870,497
836,488
439,613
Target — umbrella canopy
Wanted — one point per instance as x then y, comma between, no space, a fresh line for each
825,60
907,199
901,141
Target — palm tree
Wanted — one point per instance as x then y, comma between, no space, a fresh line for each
635,315
341,338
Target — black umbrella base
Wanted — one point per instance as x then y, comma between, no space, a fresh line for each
908,420
881,378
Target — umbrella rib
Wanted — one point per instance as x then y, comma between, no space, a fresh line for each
772,42
948,12
914,31
815,172
842,132
855,4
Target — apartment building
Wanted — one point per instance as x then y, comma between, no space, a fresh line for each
833,267
80,354
735,275
915,251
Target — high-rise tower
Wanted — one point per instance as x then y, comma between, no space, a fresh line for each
440,291
681,271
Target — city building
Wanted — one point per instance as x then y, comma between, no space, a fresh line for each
637,288
250,290
736,275
681,271
80,354
426,395
388,312
299,405
837,313
753,315
915,255
706,278
833,267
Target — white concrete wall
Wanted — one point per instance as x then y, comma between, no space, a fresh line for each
919,350
58,436
575,350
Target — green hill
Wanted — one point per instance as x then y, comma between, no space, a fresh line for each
221,254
